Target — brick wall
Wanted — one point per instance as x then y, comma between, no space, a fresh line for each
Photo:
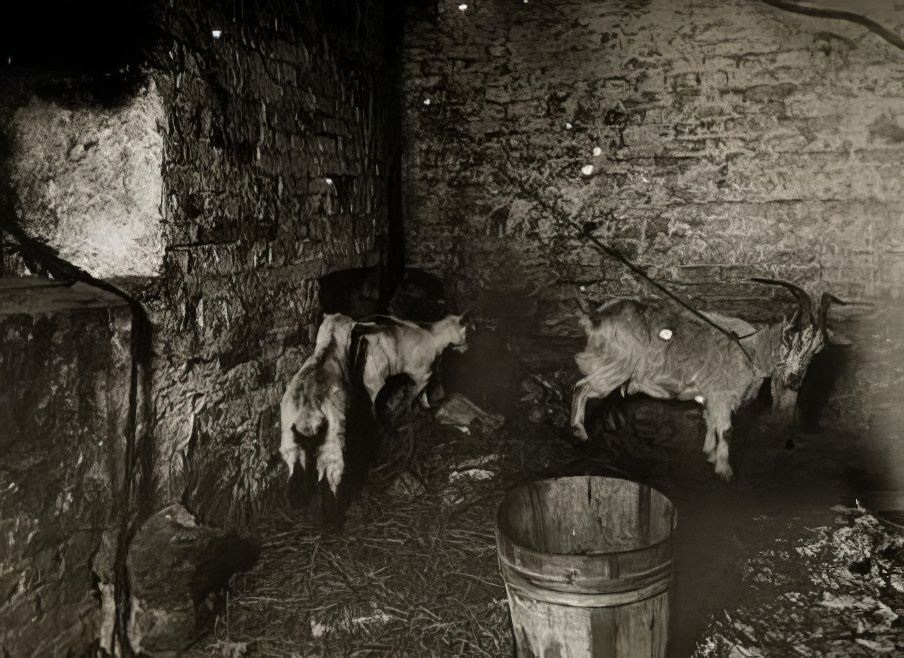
217,186
725,139
274,171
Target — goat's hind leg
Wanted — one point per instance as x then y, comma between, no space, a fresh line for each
330,460
582,392
330,470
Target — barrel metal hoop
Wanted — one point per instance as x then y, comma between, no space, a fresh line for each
628,581
528,590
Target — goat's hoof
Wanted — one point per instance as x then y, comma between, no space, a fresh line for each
724,471
711,456
579,432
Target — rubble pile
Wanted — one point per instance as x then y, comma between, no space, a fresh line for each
838,592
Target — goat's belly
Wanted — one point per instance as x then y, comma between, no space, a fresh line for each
665,389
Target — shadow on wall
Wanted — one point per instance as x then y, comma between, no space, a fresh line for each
101,42
363,291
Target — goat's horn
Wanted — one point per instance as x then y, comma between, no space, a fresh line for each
805,304
825,301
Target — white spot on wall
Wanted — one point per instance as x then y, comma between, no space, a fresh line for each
597,151
665,334
587,170
462,7
216,34
568,126
426,101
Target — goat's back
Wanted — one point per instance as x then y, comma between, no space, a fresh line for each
672,352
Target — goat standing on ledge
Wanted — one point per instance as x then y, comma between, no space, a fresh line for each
678,357
315,404
390,346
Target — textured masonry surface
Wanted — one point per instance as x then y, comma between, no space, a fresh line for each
725,138
274,173
64,384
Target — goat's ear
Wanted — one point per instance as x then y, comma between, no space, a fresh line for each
585,323
836,338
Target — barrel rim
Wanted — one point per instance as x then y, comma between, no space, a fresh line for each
502,534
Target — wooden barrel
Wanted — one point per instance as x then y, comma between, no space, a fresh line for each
587,563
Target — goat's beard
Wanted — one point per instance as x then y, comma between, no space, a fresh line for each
784,400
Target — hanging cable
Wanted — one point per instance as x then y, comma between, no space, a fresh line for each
840,15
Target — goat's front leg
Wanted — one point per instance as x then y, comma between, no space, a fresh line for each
376,369
420,390
718,421
709,443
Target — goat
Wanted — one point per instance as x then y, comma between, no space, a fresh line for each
315,403
390,346
675,356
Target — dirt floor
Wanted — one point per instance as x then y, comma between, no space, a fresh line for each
414,570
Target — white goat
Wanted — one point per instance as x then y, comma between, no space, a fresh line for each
316,402
676,356
390,346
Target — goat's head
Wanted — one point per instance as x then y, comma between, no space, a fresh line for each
803,335
455,329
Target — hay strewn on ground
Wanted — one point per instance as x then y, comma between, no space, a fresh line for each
413,571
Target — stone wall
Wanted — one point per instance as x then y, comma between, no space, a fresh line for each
274,173
706,140
217,187
64,393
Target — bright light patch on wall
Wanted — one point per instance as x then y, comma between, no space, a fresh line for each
587,170
426,101
216,34
597,151
462,7
567,126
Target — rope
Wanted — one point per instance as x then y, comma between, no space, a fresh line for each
617,255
